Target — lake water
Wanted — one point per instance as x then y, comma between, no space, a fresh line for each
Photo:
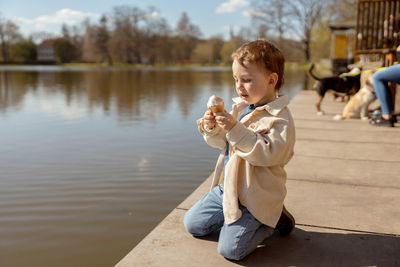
91,160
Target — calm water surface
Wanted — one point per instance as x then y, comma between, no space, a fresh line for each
92,159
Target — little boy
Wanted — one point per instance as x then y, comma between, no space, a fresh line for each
257,139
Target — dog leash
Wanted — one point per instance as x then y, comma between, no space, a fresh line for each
381,68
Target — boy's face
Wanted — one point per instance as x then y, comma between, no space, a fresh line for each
254,85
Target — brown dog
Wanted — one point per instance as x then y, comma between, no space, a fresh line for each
357,107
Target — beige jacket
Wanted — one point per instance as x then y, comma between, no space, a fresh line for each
260,146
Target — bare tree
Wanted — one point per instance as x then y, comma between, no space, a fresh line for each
187,36
101,40
40,36
262,31
23,51
8,35
159,44
88,53
127,38
208,51
273,14
226,51
293,19
68,46
343,10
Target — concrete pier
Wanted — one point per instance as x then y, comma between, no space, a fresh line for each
343,189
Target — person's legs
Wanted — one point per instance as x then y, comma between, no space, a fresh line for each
380,80
206,215
239,239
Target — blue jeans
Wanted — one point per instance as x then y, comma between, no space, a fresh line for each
380,80
237,239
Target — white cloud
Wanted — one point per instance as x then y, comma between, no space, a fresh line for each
19,20
67,16
53,22
231,5
153,15
54,105
252,13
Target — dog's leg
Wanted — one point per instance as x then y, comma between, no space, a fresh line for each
364,112
318,105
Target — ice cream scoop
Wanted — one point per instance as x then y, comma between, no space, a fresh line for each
215,104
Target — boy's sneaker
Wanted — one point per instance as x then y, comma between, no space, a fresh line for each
286,222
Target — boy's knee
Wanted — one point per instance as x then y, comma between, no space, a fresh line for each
191,225
187,222
231,252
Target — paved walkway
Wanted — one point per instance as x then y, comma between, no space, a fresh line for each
343,189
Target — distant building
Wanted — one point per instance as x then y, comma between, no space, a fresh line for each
45,52
342,48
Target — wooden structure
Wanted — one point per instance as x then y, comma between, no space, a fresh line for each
378,26
342,47
378,30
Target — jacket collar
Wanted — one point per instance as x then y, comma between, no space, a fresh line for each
273,107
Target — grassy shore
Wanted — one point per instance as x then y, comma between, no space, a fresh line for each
296,65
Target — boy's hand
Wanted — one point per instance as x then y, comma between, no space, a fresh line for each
225,120
209,120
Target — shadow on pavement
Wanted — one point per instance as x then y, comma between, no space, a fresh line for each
307,248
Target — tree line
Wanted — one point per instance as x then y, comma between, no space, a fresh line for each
129,34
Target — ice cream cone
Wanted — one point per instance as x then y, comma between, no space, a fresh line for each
216,104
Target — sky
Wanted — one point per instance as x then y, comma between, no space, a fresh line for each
212,16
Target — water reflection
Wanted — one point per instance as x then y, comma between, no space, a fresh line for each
130,94
13,88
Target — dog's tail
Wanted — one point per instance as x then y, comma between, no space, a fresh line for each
311,74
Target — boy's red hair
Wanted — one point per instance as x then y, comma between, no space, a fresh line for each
264,54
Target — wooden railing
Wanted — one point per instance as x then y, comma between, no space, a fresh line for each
378,26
